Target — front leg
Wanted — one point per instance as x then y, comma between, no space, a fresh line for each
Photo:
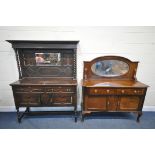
82,116
18,115
139,114
75,115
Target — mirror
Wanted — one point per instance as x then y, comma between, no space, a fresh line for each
110,68
47,58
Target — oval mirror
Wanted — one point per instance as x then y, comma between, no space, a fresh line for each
110,68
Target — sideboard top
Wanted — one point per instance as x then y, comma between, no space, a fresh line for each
113,83
45,81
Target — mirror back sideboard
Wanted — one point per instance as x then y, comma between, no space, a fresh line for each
47,76
109,84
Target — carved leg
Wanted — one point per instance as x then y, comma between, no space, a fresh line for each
139,114
18,115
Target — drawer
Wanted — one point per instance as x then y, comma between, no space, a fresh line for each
43,89
60,89
130,91
101,91
28,89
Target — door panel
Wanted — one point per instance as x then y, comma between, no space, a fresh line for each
61,99
27,99
129,103
96,103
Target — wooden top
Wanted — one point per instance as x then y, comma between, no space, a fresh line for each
44,44
45,81
113,83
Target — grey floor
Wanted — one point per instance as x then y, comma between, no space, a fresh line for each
106,121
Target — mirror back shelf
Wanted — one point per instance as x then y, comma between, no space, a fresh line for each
110,68
45,58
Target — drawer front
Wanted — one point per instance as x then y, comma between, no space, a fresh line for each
96,103
101,91
28,89
34,89
130,91
44,89
61,89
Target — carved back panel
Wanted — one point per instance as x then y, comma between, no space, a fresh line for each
45,58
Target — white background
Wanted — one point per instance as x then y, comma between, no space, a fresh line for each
75,13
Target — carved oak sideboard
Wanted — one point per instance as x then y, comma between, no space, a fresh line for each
109,85
47,76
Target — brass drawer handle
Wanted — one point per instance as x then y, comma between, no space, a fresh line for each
95,90
36,90
135,91
50,89
123,91
108,91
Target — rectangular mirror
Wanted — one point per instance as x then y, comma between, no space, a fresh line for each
48,59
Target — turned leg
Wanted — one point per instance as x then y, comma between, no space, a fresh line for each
28,109
82,116
18,115
75,116
139,114
75,113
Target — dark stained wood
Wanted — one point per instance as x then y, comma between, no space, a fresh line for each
119,94
45,81
45,86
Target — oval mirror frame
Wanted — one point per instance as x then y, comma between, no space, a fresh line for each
110,68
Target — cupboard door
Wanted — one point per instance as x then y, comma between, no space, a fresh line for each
27,99
129,103
96,103
61,99
112,103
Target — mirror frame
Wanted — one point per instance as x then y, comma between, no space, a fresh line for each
130,75
105,70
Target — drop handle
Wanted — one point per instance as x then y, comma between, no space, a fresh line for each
108,103
122,91
95,90
108,91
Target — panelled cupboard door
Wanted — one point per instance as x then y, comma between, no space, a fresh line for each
27,99
96,103
129,103
61,99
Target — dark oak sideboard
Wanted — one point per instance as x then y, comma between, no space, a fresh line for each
47,76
